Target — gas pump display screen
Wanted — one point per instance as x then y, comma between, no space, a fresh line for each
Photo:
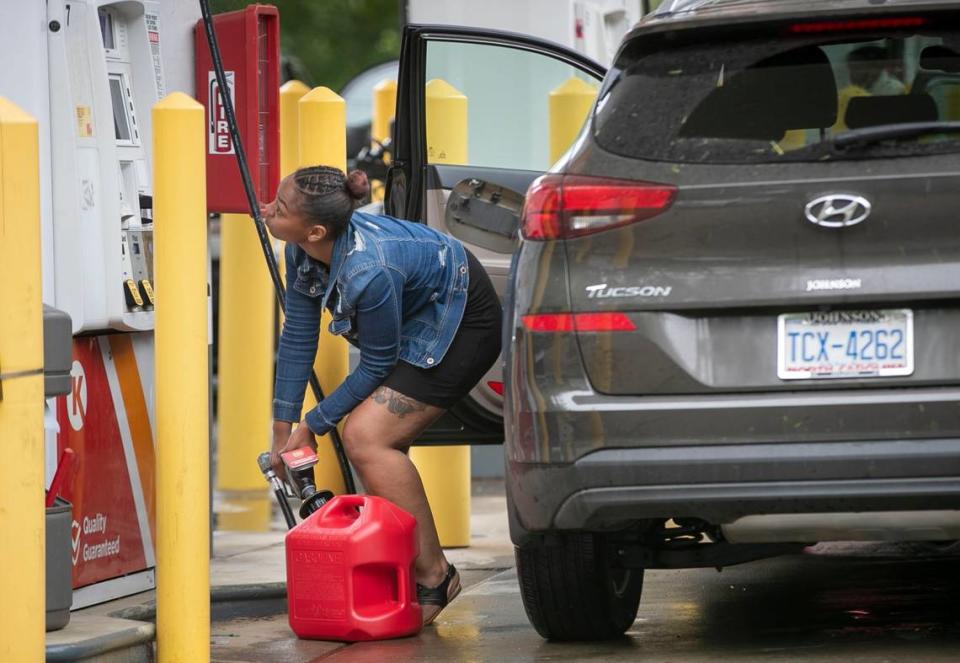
121,118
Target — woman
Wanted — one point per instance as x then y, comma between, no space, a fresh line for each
425,316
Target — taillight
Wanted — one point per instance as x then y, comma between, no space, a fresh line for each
496,386
566,206
582,322
888,23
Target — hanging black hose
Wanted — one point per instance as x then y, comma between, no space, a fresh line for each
261,228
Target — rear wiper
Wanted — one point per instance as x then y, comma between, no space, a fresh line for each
881,132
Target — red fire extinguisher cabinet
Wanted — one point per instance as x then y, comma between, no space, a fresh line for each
249,42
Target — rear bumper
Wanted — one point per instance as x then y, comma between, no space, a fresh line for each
720,483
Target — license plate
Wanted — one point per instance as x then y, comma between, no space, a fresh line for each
844,344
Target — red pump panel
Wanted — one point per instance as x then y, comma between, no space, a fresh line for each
249,42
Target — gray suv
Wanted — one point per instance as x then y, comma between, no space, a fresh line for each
734,311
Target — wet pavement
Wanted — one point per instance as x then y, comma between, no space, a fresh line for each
853,603
836,602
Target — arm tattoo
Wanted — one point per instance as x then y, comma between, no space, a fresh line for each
396,402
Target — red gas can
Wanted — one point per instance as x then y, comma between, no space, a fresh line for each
350,572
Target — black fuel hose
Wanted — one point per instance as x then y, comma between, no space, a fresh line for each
261,228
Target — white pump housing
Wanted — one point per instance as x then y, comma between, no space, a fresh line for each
105,75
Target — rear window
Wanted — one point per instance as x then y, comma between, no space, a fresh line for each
784,99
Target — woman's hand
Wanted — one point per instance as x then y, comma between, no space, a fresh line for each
281,435
284,440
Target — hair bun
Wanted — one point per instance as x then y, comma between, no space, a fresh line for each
357,185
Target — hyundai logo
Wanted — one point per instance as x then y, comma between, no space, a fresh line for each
837,210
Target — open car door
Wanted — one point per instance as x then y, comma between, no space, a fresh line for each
486,104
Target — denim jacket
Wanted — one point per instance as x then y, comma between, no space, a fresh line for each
396,289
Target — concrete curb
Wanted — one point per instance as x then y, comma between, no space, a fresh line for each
136,634
147,612
133,627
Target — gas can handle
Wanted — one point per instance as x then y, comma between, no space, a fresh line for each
344,505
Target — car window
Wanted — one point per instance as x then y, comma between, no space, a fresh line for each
507,98
783,99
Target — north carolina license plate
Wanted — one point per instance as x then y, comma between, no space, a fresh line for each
845,344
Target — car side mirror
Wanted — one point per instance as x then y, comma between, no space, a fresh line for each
485,214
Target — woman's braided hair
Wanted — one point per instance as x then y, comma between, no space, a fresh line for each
328,197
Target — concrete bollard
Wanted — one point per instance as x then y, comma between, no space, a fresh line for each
445,470
22,514
568,107
183,502
323,141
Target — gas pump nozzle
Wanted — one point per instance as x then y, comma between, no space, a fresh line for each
299,464
263,460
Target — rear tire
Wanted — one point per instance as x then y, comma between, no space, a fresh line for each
571,591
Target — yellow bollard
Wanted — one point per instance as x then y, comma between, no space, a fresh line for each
183,504
445,471
323,129
569,104
245,389
21,390
446,123
323,141
290,94
384,109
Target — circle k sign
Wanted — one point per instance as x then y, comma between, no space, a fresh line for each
77,399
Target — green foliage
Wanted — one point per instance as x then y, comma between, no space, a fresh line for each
330,41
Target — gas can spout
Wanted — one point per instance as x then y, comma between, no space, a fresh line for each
313,500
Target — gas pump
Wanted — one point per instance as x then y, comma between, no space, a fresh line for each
90,72
105,75
106,71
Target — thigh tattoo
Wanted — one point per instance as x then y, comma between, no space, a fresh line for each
396,402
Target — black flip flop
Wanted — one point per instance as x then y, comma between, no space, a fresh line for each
434,599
